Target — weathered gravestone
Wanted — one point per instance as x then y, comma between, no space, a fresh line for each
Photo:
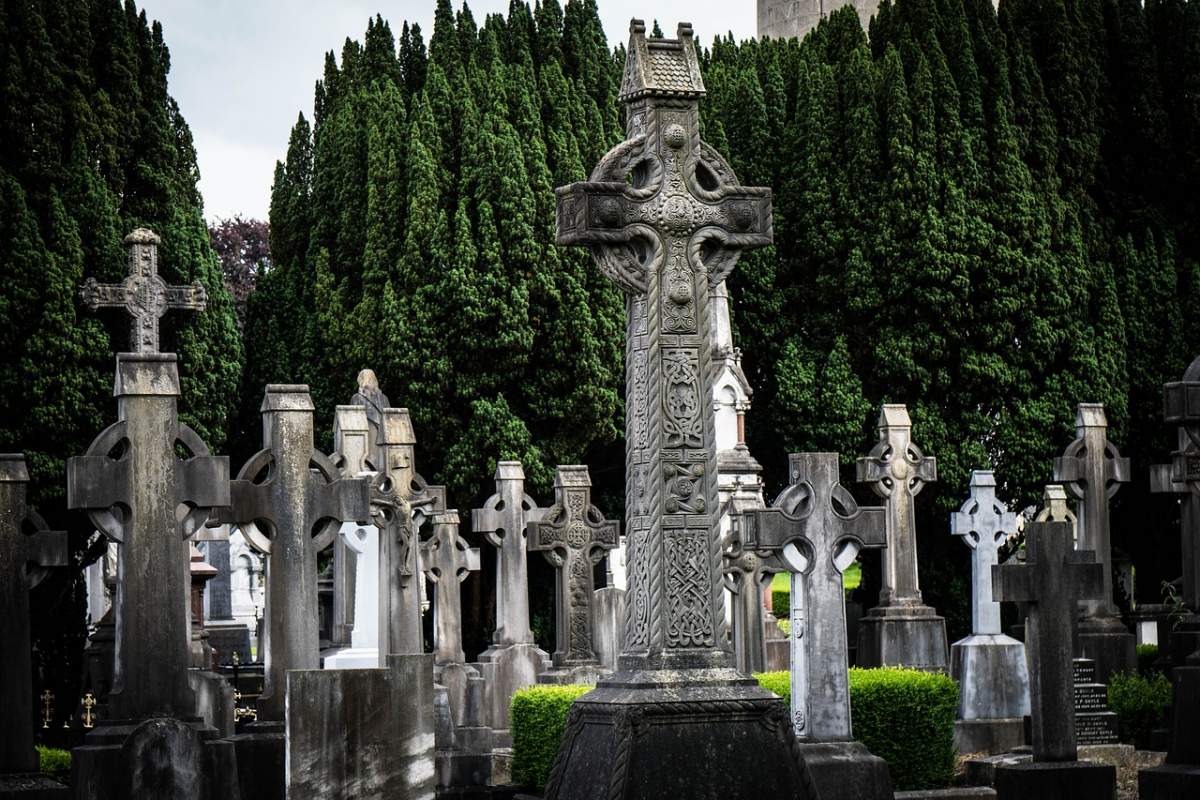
901,631
27,549
1179,778
1052,579
1092,470
815,530
131,483
666,220
573,536
747,576
513,661
990,668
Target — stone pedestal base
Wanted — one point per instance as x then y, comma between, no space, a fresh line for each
609,633
687,733
903,636
991,736
1066,780
260,761
1109,644
465,690
31,786
464,753
157,758
1168,782
583,674
350,658
506,669
847,771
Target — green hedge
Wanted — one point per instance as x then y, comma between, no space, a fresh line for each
537,718
781,589
1138,703
903,716
55,763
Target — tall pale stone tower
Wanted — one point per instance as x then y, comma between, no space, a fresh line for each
782,19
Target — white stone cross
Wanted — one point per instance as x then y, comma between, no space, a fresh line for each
985,524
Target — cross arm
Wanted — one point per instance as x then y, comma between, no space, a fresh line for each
867,527
1013,583
1088,576
187,298
769,529
97,295
593,213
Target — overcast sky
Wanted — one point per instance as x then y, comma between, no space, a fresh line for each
242,69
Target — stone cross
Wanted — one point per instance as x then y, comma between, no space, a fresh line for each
1181,407
289,501
816,530
1092,470
574,536
1052,579
400,630
984,523
448,560
747,575
1162,482
504,519
352,445
27,548
666,220
144,295
131,482
1056,508
897,471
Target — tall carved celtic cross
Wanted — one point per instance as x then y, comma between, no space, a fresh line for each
144,295
665,219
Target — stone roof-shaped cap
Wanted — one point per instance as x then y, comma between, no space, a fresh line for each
143,236
983,477
1181,400
571,476
661,67
287,397
350,418
397,427
510,471
894,416
12,468
1090,415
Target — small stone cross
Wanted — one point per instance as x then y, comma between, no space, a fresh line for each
504,520
27,549
1052,579
1092,470
747,574
897,471
816,529
290,500
89,703
144,294
448,560
573,536
985,524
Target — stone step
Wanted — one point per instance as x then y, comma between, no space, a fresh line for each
953,793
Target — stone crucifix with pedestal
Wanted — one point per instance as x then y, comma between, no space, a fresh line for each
513,661
1092,471
815,530
901,631
27,550
665,218
990,667
573,535
1052,579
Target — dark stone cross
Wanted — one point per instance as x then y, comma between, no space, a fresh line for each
448,559
815,529
27,549
1052,579
747,575
290,500
574,536
400,629
1181,407
144,294
131,482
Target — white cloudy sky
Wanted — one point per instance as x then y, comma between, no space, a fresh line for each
242,69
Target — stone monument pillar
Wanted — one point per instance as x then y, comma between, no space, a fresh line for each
26,550
513,661
815,530
901,631
990,667
1092,470
666,220
1051,580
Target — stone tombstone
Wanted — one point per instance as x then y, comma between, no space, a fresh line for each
513,661
815,530
1092,470
354,457
1051,580
666,220
393,511
747,576
990,668
290,501
362,734
27,549
573,536
901,630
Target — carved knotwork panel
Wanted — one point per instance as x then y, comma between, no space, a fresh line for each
689,599
637,630
683,423
685,487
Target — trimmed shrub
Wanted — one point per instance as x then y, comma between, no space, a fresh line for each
537,718
1138,702
1147,654
781,589
905,717
55,763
